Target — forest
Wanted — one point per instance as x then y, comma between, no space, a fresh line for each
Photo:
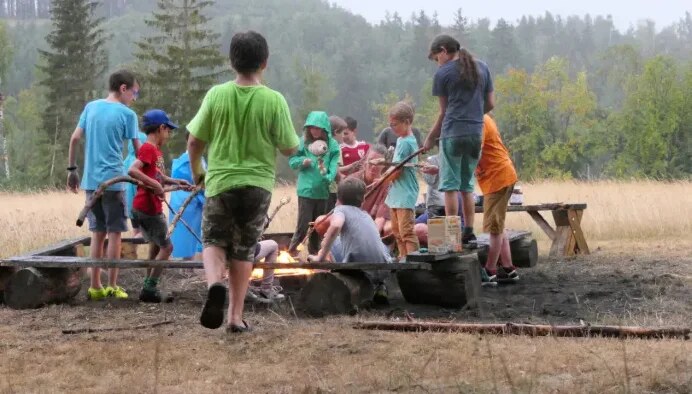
576,98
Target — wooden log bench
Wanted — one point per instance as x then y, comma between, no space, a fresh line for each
567,237
523,247
53,275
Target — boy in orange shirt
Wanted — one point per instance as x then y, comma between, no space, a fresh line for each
496,177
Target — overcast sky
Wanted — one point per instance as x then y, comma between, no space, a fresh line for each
625,12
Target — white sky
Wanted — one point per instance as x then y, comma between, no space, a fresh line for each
625,13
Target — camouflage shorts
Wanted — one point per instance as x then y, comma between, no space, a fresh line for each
234,220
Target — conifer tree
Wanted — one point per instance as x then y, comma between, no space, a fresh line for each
72,70
180,61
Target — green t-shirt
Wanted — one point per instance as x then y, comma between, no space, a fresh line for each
243,127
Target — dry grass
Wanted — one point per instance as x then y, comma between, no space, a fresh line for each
617,211
626,219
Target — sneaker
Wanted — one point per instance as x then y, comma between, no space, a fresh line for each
96,294
251,295
469,238
271,294
488,280
212,313
507,274
154,296
117,292
381,296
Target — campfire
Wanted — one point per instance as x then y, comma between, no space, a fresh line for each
283,258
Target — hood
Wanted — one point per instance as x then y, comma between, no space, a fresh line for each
319,119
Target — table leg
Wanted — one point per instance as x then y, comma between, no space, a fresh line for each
578,242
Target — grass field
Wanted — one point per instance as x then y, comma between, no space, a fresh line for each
638,231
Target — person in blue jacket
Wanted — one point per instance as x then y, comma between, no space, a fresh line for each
185,245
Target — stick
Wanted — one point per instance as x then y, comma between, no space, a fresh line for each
531,329
179,215
139,327
187,226
282,202
374,187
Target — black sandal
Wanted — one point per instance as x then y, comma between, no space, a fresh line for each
212,313
235,329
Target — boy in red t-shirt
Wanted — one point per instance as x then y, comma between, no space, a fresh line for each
147,210
352,150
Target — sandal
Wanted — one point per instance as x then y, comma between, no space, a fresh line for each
235,329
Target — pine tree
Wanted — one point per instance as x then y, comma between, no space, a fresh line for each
180,61
71,71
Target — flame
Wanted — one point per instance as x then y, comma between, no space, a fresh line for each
283,258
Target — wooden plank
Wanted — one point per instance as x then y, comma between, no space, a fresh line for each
70,261
543,224
578,235
483,239
60,246
559,245
539,207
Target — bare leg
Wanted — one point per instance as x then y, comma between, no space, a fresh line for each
468,208
214,259
452,203
113,253
239,280
163,254
496,241
96,252
506,253
421,230
269,251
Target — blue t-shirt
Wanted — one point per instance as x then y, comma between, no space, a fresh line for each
465,108
404,190
107,125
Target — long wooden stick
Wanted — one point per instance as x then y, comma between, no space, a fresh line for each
179,214
187,226
139,327
530,329
374,187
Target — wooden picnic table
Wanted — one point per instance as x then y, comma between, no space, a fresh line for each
567,237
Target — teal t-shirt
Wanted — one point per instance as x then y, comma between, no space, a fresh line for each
107,125
404,190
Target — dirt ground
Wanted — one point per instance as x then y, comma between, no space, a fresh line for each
620,283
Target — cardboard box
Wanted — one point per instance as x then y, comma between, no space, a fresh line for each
444,234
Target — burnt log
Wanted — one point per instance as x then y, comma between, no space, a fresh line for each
524,253
5,274
454,282
336,293
33,287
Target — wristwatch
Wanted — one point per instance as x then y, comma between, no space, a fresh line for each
71,168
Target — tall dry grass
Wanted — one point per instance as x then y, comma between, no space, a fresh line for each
637,210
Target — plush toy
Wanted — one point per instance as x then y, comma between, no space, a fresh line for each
319,148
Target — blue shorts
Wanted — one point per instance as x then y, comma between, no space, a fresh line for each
458,160
109,214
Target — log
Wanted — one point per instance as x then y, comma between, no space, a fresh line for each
5,274
454,282
531,329
524,252
89,330
336,293
33,287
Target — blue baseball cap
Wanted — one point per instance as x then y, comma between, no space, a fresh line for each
156,117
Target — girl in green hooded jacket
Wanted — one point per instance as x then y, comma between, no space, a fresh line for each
317,163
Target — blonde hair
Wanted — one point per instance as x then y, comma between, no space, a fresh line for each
402,112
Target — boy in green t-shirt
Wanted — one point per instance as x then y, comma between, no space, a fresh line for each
243,123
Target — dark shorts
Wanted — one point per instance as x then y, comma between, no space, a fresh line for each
109,214
234,220
153,227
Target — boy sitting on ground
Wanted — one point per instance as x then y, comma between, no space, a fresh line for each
352,235
147,211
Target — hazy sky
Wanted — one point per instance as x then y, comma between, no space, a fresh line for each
624,12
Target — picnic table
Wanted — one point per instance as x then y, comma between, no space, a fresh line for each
567,237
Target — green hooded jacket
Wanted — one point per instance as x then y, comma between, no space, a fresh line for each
312,183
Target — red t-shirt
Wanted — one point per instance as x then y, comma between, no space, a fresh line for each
145,201
352,154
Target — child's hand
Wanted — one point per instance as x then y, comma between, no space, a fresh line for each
73,181
430,169
307,163
428,144
158,190
313,258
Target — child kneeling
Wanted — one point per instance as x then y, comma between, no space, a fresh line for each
352,235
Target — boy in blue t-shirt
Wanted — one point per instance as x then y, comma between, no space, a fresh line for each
403,193
105,125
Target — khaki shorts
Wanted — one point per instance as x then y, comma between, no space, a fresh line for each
234,219
495,209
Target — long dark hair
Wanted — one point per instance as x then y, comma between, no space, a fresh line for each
466,64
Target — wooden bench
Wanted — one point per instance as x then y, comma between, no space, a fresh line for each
567,237
54,275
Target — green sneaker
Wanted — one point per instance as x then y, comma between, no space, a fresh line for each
96,294
117,292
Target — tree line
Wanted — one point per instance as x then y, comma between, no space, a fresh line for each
576,97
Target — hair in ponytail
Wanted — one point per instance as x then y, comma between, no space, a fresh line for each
466,64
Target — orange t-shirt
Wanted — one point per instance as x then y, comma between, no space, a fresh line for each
495,169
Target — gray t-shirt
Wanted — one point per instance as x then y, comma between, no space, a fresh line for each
388,138
360,240
433,196
465,108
